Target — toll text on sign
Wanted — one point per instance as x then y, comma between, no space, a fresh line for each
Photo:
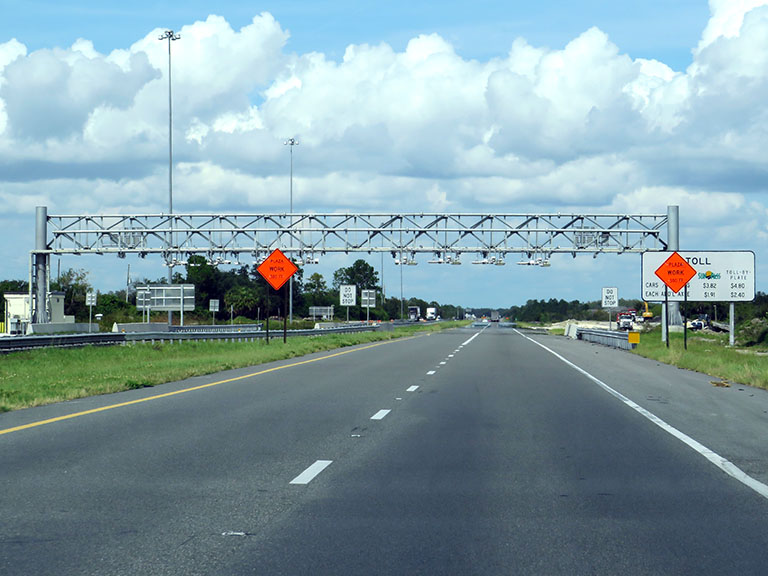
722,276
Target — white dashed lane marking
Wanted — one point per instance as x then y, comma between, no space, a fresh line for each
309,474
380,414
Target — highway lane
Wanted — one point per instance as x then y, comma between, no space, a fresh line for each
456,453
152,486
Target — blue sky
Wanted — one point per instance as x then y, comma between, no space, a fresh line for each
482,29
484,106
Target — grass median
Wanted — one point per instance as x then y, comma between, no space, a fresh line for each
710,354
49,375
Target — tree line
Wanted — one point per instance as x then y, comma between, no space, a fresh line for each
246,294
242,293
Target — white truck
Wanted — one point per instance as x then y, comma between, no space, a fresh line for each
431,314
624,321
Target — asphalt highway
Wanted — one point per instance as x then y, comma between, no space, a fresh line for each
471,451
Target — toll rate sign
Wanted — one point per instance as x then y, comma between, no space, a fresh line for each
716,276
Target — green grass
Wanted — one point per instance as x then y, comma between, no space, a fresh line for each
49,375
709,354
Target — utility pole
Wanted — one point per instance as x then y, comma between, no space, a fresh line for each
291,142
170,36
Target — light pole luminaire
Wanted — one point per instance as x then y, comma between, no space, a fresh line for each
291,142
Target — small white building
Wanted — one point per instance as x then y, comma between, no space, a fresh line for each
17,311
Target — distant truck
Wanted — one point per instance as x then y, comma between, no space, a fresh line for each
431,314
624,320
414,313
494,315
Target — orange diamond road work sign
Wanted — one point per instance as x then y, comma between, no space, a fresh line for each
277,269
675,272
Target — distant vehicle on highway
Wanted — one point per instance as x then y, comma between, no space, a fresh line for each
494,315
624,321
431,314
414,313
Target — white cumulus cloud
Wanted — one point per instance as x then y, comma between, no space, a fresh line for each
584,126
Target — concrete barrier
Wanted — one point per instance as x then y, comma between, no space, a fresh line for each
61,328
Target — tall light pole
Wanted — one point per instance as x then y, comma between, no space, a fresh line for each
170,36
291,142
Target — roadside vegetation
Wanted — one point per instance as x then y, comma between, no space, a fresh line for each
244,296
710,354
49,375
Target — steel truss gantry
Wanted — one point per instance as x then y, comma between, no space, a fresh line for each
227,238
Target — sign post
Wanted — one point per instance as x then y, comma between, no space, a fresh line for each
368,301
715,276
170,298
348,296
675,272
90,301
213,306
610,300
276,270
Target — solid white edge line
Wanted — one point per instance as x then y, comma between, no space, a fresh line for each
309,474
724,464
380,414
412,389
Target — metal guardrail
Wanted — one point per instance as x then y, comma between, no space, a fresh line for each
606,338
213,328
20,343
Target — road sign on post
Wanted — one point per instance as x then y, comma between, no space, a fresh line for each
718,276
348,296
172,297
675,272
213,306
610,300
277,269
90,301
368,301
610,297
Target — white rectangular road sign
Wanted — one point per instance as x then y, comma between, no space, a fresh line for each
610,297
161,297
720,277
368,299
348,294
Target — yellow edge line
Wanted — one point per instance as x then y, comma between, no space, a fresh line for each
194,388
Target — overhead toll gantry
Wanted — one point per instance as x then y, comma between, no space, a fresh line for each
446,237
